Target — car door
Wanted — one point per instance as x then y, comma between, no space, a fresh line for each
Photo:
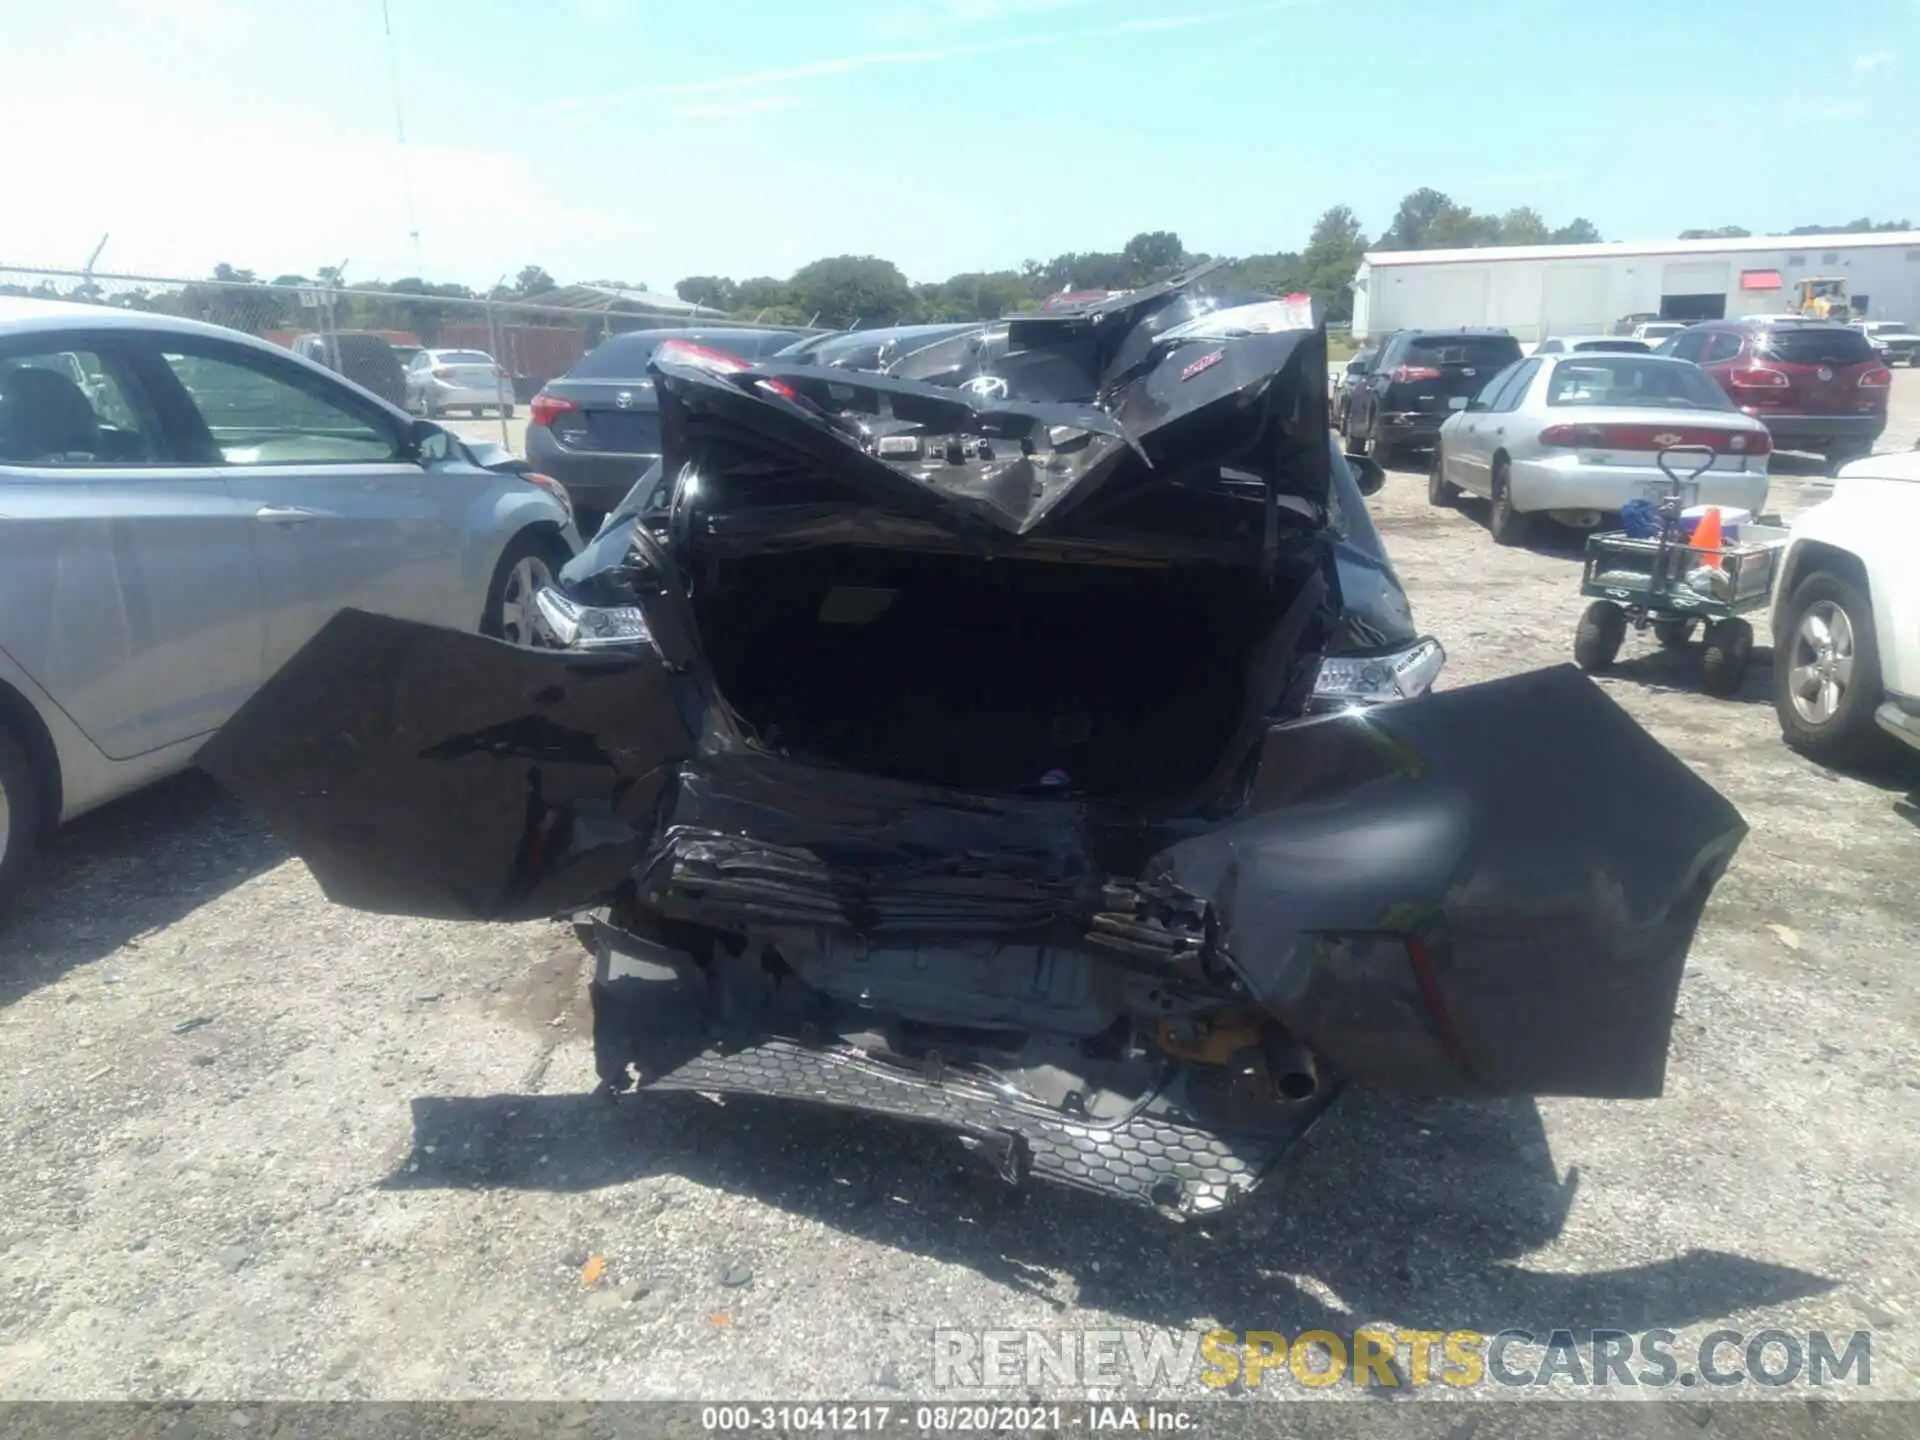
128,589
1357,371
1366,394
1470,446
343,515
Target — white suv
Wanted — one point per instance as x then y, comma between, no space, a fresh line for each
1846,619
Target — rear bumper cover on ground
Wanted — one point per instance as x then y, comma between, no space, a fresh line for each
1160,1155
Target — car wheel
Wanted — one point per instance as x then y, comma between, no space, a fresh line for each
1673,634
1596,644
1508,525
530,563
506,412
20,817
1440,490
1377,450
1727,656
1826,672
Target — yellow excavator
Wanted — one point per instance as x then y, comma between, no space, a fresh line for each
1822,299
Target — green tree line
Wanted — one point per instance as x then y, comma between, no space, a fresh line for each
867,290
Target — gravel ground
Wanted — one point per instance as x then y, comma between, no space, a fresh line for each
252,1145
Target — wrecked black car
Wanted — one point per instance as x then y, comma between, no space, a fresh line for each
943,746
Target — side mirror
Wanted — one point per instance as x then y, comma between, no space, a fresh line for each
428,444
1459,402
1369,474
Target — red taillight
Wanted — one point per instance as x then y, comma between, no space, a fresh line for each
1402,374
1878,378
685,352
1758,377
441,373
1656,437
545,407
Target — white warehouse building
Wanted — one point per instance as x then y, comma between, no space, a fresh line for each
1540,290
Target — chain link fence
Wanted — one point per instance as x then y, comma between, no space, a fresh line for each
532,340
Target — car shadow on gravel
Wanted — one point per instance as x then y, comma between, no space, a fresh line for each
1650,665
1417,1212
125,871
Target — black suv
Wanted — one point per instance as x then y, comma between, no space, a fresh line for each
1402,400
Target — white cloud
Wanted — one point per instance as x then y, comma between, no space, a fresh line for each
1872,60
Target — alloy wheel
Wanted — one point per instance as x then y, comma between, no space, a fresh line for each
519,623
1820,667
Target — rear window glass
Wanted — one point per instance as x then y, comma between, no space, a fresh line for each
1602,379
1494,350
1812,345
624,357
464,357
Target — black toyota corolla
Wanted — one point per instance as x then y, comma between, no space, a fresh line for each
943,748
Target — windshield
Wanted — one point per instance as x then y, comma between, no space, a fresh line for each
1632,380
1814,345
1660,332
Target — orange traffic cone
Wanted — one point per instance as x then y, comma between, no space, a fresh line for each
1706,538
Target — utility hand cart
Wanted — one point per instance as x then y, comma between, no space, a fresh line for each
1664,582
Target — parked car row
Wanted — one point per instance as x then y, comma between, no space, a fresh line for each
1815,386
185,508
1574,432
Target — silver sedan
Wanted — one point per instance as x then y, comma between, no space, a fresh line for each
1576,436
471,380
181,509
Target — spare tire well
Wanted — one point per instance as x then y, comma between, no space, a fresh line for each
23,722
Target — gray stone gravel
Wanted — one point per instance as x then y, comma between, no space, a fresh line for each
372,1169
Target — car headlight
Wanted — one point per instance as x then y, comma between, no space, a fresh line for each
1371,679
573,626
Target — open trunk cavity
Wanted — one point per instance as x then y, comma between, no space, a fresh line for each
1120,682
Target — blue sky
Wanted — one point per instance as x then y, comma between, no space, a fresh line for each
645,140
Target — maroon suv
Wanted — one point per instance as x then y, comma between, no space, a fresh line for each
1815,386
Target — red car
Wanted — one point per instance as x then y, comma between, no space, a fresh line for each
1814,386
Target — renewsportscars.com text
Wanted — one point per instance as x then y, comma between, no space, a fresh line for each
1388,1359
